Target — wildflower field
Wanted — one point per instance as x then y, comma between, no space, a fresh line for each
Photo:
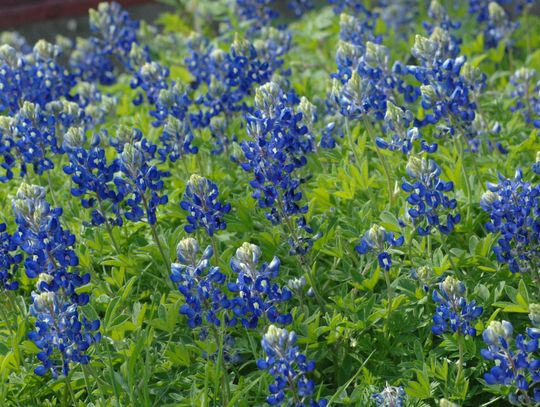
244,204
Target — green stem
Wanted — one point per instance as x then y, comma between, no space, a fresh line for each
225,391
444,240
303,262
215,247
68,392
107,224
6,321
464,172
352,146
113,381
528,36
389,305
371,132
460,360
51,190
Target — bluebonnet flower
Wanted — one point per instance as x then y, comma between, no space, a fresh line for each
440,27
357,31
380,241
219,128
488,134
233,77
16,41
481,7
200,284
37,77
296,285
150,76
332,129
398,15
351,6
201,201
9,261
116,31
427,196
371,84
526,92
95,105
30,137
448,95
140,181
347,60
299,7
453,313
93,177
516,366
49,247
258,13
536,165
172,102
257,295
198,61
514,213
534,314
397,124
176,140
424,275
62,336
124,135
390,396
280,138
58,117
92,63
272,46
289,368
499,28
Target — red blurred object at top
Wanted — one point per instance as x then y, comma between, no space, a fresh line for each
16,13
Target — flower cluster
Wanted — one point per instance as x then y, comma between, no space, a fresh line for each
8,260
256,293
150,76
526,92
234,75
390,396
449,87
141,180
289,368
515,366
49,247
27,139
453,312
499,27
37,77
397,125
60,333
371,84
93,176
200,284
380,241
115,31
431,207
201,201
399,14
258,13
514,209
351,6
280,138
